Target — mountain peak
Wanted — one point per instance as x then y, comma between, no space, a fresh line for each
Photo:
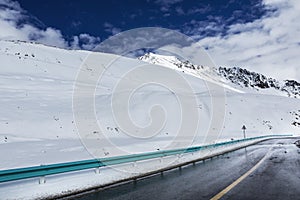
237,76
246,78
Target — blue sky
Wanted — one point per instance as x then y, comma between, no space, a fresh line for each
261,35
104,18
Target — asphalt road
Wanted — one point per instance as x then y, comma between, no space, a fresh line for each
267,170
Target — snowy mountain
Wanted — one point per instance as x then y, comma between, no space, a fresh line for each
37,124
185,66
245,78
238,76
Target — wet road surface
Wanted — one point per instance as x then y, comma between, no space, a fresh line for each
267,170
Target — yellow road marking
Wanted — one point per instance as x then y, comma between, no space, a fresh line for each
232,185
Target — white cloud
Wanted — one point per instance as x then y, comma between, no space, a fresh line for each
179,11
201,10
166,4
12,4
108,27
88,42
11,28
269,45
10,16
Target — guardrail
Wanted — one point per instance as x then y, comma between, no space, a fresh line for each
45,170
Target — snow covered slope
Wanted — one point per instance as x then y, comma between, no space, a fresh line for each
37,125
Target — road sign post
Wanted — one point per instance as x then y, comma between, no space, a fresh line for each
244,131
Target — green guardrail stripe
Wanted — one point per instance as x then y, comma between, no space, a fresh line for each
44,170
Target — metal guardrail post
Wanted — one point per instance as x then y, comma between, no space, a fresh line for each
42,180
161,159
134,164
97,170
